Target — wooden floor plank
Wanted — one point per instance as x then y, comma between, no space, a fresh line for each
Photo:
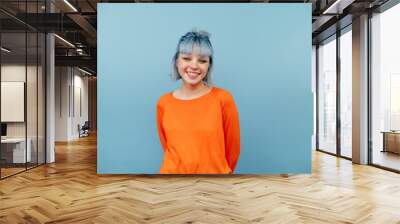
70,191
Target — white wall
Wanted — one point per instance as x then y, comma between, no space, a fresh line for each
15,72
62,81
71,94
11,73
33,127
79,111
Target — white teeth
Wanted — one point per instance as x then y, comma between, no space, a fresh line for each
192,74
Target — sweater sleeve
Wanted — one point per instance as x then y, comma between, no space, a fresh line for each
231,131
161,132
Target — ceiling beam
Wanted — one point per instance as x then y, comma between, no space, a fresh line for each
85,25
85,61
337,6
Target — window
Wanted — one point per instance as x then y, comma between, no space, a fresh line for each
327,96
346,93
385,88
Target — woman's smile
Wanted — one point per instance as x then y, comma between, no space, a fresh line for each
193,75
192,67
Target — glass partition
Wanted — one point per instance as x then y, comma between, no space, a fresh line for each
22,78
14,153
327,95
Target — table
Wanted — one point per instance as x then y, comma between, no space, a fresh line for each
15,148
391,141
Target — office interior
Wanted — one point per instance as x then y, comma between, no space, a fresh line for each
57,39
49,75
47,80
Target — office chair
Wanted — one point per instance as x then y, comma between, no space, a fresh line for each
84,130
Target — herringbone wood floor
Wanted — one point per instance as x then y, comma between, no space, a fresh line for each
70,191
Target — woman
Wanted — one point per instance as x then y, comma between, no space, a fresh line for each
198,123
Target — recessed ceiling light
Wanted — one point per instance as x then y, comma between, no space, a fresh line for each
70,5
64,40
84,71
5,50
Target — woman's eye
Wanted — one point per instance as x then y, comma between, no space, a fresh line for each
203,61
186,58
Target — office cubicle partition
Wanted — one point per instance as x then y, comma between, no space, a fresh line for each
22,90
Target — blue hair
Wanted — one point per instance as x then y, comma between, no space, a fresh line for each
194,41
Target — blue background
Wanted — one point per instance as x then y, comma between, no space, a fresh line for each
262,56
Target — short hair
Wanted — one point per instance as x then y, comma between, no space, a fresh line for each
198,41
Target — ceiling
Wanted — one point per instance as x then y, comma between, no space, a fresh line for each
76,22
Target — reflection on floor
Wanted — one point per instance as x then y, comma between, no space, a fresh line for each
386,159
346,152
10,169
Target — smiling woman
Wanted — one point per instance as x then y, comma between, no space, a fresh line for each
198,124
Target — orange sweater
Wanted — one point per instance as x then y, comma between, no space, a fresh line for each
199,136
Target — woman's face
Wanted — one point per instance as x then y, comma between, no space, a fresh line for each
192,67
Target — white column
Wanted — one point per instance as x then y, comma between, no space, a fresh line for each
360,90
50,110
62,103
50,92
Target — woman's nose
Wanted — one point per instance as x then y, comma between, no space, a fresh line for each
194,64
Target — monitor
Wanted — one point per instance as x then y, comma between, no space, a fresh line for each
3,129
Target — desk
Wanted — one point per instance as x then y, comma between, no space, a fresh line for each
391,141
15,148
